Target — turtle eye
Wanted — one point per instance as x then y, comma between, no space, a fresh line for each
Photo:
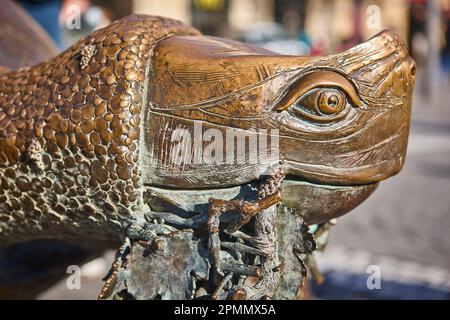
322,105
321,97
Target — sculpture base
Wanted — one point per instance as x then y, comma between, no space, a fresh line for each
180,268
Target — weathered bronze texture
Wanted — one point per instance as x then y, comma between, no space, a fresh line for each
69,134
361,139
86,140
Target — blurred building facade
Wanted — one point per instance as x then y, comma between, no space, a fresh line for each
324,26
289,26
328,23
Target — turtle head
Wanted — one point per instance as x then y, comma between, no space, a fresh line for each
339,120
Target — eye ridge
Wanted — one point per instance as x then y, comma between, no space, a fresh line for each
322,105
318,80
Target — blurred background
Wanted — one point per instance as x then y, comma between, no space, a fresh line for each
403,229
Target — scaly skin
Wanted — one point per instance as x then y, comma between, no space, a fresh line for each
86,138
70,131
82,133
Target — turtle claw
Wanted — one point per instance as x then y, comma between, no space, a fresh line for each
140,232
273,184
147,231
269,194
117,274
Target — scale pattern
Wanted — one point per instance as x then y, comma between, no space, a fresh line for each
70,131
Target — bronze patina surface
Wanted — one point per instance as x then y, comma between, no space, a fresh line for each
69,134
86,140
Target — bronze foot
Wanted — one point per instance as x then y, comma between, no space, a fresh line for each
269,195
142,232
117,273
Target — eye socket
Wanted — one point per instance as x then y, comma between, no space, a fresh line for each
321,96
322,105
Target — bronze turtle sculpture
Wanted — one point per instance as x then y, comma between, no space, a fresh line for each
101,141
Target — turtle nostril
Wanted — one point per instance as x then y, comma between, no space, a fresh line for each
412,66
413,70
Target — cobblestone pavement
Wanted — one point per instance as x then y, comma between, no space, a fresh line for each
404,227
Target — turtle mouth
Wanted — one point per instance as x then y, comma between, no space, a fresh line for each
288,180
315,202
325,177
300,179
318,202
349,176
383,158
